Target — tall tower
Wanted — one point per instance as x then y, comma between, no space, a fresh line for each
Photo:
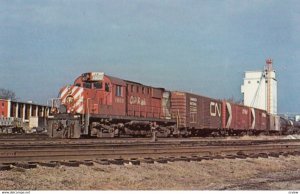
260,88
268,71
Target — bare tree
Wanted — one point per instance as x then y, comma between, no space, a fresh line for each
7,94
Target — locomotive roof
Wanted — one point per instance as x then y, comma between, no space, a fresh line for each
132,82
123,82
116,80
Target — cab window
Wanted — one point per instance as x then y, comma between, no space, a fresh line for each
119,91
97,85
78,85
87,85
132,88
107,87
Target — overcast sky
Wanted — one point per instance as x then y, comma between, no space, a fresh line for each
191,45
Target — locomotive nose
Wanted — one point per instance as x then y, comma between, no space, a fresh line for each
70,100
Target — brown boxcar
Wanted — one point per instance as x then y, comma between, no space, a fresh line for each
260,120
240,117
236,117
196,112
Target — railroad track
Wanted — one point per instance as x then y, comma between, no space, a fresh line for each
10,139
74,153
4,136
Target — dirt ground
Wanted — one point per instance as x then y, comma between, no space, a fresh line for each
228,174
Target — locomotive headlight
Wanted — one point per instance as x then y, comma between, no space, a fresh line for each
69,99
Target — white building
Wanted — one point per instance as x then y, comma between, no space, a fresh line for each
260,89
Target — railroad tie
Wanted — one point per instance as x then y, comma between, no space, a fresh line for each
70,163
230,156
87,163
5,167
102,161
263,155
148,160
135,162
161,160
26,165
117,161
50,164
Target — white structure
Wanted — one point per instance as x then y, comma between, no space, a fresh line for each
260,89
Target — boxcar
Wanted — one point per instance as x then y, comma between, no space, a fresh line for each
240,118
196,114
259,120
236,117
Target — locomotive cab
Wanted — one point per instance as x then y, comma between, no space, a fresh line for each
93,93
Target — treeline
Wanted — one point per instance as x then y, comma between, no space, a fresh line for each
7,94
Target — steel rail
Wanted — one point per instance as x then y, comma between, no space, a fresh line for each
128,151
145,141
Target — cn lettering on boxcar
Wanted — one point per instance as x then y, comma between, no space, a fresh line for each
215,109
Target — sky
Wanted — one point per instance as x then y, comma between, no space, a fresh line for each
199,46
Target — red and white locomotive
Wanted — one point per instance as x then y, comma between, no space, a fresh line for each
103,106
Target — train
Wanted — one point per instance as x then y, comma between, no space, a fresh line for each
99,105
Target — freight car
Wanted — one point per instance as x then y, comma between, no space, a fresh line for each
199,115
98,105
239,119
196,115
